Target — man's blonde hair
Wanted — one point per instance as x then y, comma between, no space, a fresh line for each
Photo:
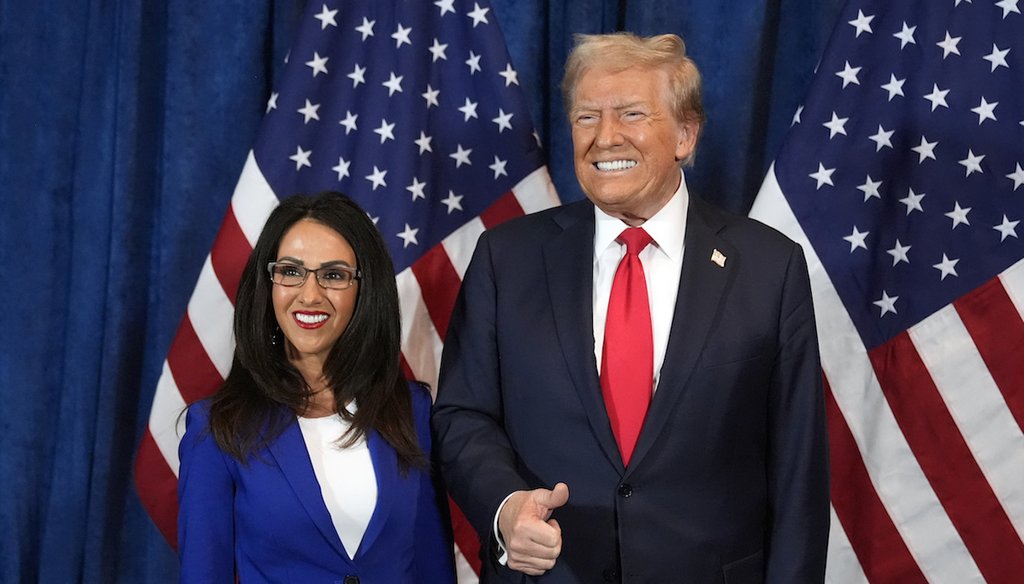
622,50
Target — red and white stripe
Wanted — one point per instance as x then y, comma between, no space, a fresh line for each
200,355
926,432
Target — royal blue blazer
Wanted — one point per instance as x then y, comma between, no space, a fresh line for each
266,521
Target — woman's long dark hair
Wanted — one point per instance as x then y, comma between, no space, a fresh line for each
263,390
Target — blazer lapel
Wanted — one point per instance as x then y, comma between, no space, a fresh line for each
385,467
289,450
568,259
702,285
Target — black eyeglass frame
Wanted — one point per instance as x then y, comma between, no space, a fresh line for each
355,273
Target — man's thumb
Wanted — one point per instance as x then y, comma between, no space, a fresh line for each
555,498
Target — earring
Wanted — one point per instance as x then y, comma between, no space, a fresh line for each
275,335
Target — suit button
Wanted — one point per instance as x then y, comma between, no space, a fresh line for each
351,579
625,490
610,575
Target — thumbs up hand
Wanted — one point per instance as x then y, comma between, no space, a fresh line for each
533,540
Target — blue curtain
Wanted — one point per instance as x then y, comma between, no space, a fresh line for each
123,128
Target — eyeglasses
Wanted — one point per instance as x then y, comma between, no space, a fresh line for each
330,277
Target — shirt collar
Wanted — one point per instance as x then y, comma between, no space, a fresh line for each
666,227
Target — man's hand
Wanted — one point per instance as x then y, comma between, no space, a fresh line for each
533,540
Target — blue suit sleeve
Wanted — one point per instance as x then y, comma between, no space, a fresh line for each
434,561
798,442
206,504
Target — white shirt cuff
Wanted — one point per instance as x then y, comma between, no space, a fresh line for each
503,553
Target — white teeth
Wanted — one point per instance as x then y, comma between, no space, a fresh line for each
310,318
616,165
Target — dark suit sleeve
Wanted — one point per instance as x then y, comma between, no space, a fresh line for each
798,471
478,462
434,561
206,538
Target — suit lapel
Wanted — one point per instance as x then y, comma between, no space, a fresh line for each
702,285
289,450
385,467
568,259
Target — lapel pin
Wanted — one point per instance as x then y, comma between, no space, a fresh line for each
718,258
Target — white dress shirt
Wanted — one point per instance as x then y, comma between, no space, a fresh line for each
347,480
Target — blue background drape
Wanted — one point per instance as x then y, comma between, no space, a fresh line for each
123,128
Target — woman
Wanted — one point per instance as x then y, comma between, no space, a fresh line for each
310,463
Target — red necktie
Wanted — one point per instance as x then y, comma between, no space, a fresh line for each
627,360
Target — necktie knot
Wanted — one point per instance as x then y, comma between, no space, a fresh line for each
635,238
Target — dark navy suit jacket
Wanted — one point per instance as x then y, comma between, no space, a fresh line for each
729,479
266,521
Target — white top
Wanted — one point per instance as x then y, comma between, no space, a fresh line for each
662,261
347,480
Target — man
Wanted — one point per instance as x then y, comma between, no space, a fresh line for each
593,437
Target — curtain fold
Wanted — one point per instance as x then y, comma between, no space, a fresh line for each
123,129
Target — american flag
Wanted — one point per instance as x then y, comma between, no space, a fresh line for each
413,109
902,177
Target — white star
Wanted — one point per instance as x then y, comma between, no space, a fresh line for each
1007,229
947,267
510,75
474,62
498,167
886,303
453,202
326,17
894,86
796,116
393,84
478,15
870,188
836,126
899,253
972,163
437,50
949,45
272,102
402,36
386,131
309,112
849,74
1017,177
862,23
906,36
536,137
357,76
445,6
468,110
856,239
349,122
881,138
424,142
1008,6
959,1
408,236
377,178
416,188
366,28
937,97
341,168
301,157
461,156
958,215
913,201
503,120
985,111
823,176
431,96
925,149
318,64
997,57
